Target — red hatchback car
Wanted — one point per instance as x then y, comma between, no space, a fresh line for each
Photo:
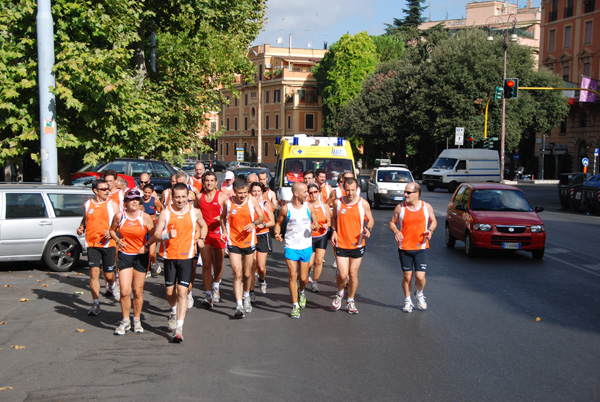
494,216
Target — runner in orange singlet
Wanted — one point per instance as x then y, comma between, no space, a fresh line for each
132,226
321,180
110,177
351,222
263,241
417,223
196,180
212,202
319,237
238,223
98,213
181,227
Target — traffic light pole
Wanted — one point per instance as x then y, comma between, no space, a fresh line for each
503,128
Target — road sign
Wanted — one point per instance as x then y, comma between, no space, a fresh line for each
585,162
596,152
516,157
459,137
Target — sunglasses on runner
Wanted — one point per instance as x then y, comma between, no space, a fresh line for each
102,189
409,192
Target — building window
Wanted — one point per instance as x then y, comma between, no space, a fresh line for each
226,149
569,9
235,126
276,95
235,100
553,11
589,6
289,122
245,147
587,68
566,72
563,127
228,124
583,119
252,132
235,149
567,42
267,122
552,40
213,127
253,111
310,121
245,123
267,96
246,100
276,122
266,149
227,104
587,37
253,94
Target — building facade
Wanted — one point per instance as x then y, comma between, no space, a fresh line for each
281,100
570,47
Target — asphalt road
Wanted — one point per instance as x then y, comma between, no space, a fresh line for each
480,339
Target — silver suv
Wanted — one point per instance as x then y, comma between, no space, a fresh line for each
40,221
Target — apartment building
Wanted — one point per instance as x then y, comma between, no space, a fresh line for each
282,99
570,47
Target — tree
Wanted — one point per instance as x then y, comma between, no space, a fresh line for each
388,47
414,104
109,101
410,23
340,75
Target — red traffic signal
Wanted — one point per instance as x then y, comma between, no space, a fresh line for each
510,83
511,88
470,138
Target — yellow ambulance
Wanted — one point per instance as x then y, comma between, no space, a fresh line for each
301,152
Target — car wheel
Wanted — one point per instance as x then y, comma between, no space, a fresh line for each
537,254
430,187
452,187
469,247
62,253
450,240
377,202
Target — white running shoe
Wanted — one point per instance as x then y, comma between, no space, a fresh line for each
216,295
94,309
239,312
172,321
351,307
247,304
116,290
421,303
137,327
190,301
337,302
408,306
314,287
263,287
123,327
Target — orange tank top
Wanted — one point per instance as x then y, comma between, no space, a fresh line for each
263,205
326,191
321,218
133,232
98,218
413,225
116,196
196,183
239,216
181,247
350,224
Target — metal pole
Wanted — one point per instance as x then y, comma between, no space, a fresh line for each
543,153
45,40
503,128
259,148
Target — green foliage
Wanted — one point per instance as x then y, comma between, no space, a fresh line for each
108,102
414,104
388,47
340,75
413,18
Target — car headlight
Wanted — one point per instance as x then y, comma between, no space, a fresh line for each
537,228
484,227
383,191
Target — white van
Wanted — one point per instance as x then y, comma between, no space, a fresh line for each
455,166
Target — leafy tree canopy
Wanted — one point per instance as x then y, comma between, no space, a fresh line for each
413,105
388,47
109,102
340,75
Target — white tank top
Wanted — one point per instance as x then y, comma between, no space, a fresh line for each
298,235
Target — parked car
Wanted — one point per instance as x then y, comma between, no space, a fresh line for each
494,216
39,222
237,164
570,190
387,184
86,179
242,173
160,172
591,194
214,166
189,168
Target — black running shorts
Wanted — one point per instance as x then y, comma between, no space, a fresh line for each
139,262
178,271
412,258
102,257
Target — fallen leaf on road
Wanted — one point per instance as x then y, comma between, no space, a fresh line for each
18,347
5,388
80,330
2,322
39,280
23,299
8,285
44,285
78,293
538,319
79,274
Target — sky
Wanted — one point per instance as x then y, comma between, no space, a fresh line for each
316,21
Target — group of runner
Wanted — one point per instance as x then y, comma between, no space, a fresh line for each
198,221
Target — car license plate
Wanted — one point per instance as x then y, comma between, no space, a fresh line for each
398,198
511,246
577,196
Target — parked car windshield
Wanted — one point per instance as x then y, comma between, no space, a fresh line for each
499,200
394,176
444,163
333,167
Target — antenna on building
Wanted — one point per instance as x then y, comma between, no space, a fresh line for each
325,45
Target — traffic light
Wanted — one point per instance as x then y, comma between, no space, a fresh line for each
511,88
499,93
486,143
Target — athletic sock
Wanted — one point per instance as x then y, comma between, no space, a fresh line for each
246,294
341,293
136,319
179,323
295,305
419,293
125,319
350,300
261,281
174,309
97,301
208,294
407,299
302,292
239,303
